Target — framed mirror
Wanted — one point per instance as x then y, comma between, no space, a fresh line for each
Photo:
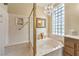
40,22
19,21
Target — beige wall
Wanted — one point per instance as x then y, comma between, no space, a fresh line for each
71,17
23,10
20,8
17,10
16,35
40,14
49,31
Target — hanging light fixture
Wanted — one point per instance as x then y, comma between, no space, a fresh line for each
48,9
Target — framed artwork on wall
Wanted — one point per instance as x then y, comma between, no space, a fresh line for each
40,22
19,22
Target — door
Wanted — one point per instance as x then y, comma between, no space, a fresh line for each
3,27
1,33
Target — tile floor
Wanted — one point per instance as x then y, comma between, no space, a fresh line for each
18,50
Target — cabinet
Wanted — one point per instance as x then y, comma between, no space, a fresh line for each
71,47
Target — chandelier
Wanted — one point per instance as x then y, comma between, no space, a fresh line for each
48,9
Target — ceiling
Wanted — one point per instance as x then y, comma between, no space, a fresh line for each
27,4
42,4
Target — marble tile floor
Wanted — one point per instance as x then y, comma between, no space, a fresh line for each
19,50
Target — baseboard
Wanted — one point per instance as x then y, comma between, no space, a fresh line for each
11,44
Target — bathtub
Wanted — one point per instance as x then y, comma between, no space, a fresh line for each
47,45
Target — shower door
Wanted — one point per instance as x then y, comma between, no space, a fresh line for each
31,29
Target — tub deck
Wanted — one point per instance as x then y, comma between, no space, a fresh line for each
47,45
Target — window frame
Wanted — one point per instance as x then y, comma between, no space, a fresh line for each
58,26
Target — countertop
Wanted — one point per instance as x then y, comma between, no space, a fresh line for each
72,36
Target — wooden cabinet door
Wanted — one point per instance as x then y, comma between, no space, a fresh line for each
68,47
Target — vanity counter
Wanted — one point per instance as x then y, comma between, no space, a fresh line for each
72,36
71,45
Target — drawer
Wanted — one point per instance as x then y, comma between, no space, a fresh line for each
77,53
69,44
77,47
68,50
69,39
66,54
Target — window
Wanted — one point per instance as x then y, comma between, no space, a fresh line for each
58,20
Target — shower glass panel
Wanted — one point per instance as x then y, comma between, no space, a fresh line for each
31,29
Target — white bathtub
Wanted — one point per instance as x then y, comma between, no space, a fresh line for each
47,45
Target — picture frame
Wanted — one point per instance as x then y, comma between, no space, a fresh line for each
19,21
40,23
